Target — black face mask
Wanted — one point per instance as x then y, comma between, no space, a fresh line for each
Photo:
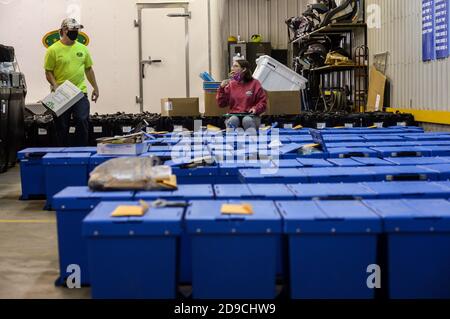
72,35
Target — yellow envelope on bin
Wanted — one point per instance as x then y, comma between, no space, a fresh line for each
298,127
131,210
213,128
237,209
170,183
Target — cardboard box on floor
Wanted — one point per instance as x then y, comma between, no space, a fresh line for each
283,103
212,107
377,85
180,107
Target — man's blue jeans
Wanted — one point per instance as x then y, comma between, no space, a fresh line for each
80,113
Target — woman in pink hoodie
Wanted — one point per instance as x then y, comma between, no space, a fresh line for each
243,94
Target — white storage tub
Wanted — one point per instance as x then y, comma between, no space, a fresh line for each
275,76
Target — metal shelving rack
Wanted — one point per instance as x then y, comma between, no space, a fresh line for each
331,77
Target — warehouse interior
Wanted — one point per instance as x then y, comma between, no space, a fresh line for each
225,149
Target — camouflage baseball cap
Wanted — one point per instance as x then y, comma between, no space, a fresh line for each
71,24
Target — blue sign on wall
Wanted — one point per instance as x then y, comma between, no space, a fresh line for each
441,28
428,34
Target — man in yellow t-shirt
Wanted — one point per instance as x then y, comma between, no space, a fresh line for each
70,60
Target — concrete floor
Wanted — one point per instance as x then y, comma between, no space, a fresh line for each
28,247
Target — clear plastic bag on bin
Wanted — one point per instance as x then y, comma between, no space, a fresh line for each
131,173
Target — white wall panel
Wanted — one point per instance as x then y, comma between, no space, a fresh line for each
114,44
415,84
265,17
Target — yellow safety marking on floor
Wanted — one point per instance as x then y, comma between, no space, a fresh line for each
12,221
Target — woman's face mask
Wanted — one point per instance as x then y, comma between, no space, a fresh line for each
237,76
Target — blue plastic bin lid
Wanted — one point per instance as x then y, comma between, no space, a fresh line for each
336,171
246,152
444,184
417,160
290,148
171,141
332,191
342,131
431,143
233,167
300,139
241,163
402,170
328,217
197,171
158,148
205,217
103,156
159,222
345,162
385,137
189,159
276,173
232,191
186,156
184,192
439,168
402,150
392,144
82,198
99,159
352,151
385,130
343,138
412,129
66,158
373,161
413,215
314,162
158,141
37,152
347,144
285,139
286,163
427,136
291,131
355,130
89,149
437,150
271,191
407,188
